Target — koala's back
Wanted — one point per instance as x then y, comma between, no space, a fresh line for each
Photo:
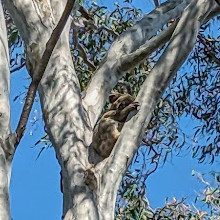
105,136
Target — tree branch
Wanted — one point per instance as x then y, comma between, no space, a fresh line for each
80,47
40,69
4,79
109,71
6,148
130,60
171,60
156,3
18,67
82,53
108,74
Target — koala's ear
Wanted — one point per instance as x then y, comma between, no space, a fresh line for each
114,96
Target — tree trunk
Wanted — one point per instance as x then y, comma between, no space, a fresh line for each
90,193
6,148
65,118
68,128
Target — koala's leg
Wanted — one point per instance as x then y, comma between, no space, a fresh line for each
106,146
121,117
94,157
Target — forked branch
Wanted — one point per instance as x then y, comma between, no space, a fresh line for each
168,64
108,73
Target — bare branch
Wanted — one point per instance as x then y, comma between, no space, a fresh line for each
6,148
215,11
80,47
130,60
156,2
40,69
173,57
82,53
84,13
18,67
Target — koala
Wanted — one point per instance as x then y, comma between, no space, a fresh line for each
108,129
120,101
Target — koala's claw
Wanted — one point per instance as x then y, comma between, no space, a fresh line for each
134,105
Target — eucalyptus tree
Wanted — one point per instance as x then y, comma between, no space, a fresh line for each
71,102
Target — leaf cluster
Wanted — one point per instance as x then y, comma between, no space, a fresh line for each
132,204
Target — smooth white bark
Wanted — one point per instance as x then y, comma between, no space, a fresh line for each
65,119
67,127
4,78
109,71
180,45
67,122
5,157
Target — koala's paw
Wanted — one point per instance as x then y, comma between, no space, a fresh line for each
90,179
134,106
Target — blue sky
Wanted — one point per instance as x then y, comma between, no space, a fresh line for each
35,184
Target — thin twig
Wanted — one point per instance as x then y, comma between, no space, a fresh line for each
109,30
17,68
209,50
156,2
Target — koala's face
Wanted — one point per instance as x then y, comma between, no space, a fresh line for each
120,101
